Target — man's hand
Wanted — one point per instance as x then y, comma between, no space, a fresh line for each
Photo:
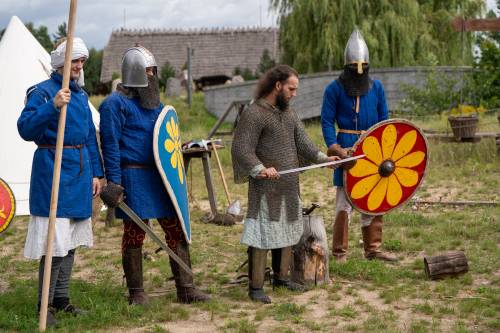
112,194
268,173
332,159
336,150
96,187
62,98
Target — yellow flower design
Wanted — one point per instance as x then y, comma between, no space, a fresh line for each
173,146
386,168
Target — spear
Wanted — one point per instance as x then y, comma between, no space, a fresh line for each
57,172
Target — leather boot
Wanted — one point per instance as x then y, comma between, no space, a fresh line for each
132,267
256,273
340,236
51,315
63,304
372,240
281,277
186,291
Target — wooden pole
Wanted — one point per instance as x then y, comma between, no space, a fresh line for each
221,171
57,172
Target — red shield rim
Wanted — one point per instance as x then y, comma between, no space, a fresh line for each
7,205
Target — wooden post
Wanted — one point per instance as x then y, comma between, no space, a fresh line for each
450,263
208,180
57,172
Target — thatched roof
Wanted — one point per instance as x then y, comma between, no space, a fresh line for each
217,51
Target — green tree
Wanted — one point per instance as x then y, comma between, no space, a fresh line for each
61,32
266,62
167,71
313,34
487,66
42,35
92,70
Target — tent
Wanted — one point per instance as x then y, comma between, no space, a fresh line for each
23,63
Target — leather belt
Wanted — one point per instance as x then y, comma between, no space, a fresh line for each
68,147
348,131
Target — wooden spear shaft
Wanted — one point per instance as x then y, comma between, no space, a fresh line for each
57,172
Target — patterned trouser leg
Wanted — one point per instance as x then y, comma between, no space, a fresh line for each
173,231
133,236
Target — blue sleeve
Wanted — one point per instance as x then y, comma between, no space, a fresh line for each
382,109
110,130
93,148
36,116
328,113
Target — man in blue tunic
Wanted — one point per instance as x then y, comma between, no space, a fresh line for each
81,169
355,102
128,117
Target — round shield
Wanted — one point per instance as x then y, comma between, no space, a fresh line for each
396,157
7,205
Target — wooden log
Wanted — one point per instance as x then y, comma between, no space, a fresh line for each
451,263
310,255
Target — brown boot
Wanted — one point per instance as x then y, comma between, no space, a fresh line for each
186,291
340,236
132,267
372,240
256,274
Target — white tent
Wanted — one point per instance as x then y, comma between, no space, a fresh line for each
23,63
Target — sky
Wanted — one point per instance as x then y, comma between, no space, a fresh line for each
97,18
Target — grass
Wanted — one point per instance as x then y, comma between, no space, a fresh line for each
364,296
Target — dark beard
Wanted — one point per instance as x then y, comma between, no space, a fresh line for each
281,102
355,84
149,97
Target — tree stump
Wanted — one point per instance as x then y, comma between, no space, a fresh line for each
446,264
310,255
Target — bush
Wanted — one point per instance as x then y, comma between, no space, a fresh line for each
438,94
166,72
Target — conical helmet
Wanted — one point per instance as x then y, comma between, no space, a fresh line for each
356,51
134,63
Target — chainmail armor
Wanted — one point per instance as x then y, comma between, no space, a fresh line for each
274,138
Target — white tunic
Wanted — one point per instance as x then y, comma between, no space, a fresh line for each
68,235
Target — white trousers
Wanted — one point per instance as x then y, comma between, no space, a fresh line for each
342,204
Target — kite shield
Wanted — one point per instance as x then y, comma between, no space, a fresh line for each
7,205
394,165
170,164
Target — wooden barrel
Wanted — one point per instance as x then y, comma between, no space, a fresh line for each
451,263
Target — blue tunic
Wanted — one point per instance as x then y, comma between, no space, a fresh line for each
126,132
38,123
339,108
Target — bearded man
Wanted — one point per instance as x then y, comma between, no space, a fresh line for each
128,117
270,137
354,102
